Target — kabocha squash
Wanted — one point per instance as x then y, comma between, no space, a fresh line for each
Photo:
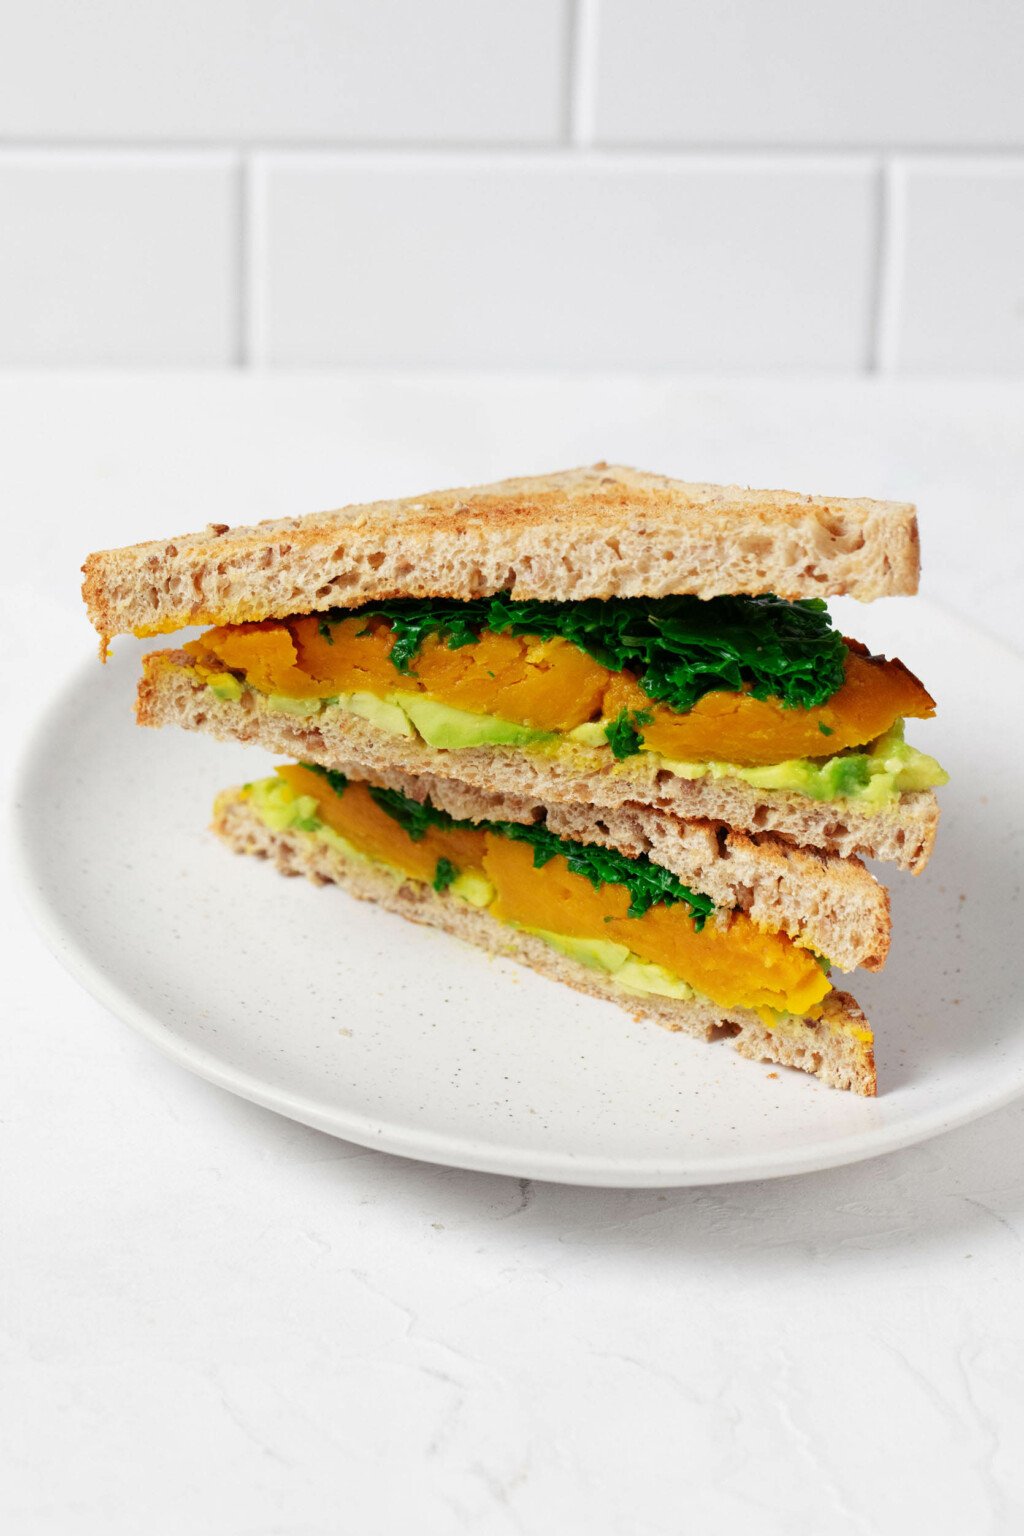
357,817
741,729
732,962
552,685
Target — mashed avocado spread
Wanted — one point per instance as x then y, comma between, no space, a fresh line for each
871,777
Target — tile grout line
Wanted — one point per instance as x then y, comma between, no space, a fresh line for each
242,273
569,34
580,102
581,67
255,261
886,318
877,274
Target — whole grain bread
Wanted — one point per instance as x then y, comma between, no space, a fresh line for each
604,531
837,1047
903,833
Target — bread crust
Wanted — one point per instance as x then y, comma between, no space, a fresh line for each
837,1048
602,531
171,693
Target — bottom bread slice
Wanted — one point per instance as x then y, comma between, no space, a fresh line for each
837,1047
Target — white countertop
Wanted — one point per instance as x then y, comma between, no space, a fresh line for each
220,1323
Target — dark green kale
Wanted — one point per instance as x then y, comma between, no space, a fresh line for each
444,874
413,619
680,648
623,736
337,781
648,884
683,647
413,816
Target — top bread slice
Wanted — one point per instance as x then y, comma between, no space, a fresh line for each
604,531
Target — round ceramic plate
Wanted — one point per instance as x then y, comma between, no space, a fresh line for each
340,1015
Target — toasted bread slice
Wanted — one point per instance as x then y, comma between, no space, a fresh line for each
903,833
606,531
837,1047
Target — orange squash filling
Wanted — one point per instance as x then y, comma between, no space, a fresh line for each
737,728
551,685
731,960
358,818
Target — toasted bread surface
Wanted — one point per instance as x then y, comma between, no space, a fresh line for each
837,1047
603,531
903,833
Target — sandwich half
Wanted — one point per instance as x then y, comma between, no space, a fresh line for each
598,636
745,963
599,720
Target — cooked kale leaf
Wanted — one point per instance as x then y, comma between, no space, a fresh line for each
444,873
680,648
623,736
413,619
648,884
413,816
337,781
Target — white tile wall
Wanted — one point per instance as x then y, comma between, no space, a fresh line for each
957,262
242,70
121,258
581,183
478,261
809,72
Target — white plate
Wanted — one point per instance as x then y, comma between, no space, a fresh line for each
356,1022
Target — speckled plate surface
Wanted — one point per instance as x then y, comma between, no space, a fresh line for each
365,1026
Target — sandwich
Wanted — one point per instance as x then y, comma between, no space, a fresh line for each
605,700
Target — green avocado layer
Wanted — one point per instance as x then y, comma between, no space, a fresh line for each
870,777
616,961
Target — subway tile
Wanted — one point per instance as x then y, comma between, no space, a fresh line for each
285,70
628,262
117,258
809,73
957,269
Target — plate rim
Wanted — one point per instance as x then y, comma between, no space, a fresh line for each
430,1146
